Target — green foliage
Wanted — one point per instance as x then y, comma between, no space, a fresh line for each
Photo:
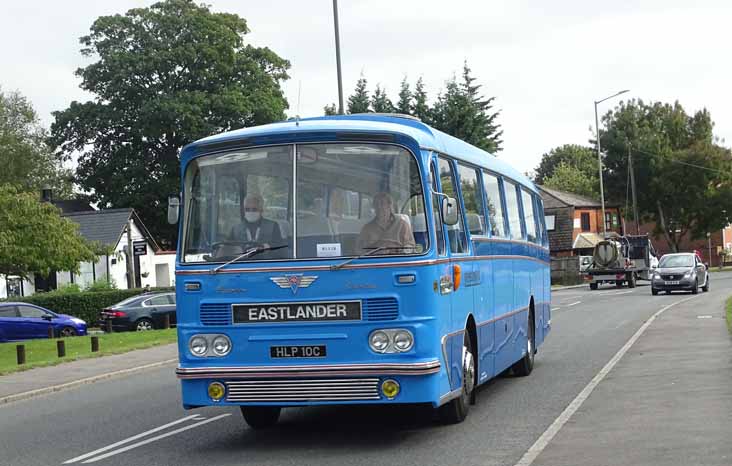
684,178
26,159
164,76
359,102
35,238
569,178
462,112
68,288
85,305
380,102
330,110
404,105
102,284
584,159
420,108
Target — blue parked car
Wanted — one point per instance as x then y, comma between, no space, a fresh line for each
23,321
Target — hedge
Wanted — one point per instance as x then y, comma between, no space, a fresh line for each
85,305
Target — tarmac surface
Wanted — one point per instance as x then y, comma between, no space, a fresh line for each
609,387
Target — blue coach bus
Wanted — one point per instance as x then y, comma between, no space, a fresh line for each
354,259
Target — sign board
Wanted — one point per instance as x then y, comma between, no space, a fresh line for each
139,248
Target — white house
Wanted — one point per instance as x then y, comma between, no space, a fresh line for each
153,267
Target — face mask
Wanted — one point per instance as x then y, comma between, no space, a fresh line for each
252,217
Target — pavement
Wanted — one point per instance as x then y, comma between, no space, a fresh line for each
617,382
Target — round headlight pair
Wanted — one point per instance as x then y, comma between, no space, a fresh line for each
391,341
219,345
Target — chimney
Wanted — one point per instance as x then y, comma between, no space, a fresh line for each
46,194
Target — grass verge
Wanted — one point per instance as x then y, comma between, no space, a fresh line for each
723,269
728,307
39,353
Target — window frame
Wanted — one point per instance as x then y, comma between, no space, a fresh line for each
479,196
501,199
452,163
586,215
517,187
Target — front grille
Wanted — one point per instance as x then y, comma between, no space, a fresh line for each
671,277
215,314
380,309
303,390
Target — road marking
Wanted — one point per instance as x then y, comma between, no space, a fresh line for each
614,292
156,438
703,317
574,303
196,417
541,443
556,308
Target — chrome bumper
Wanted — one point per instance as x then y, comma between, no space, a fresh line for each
319,370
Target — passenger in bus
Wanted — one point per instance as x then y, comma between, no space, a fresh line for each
254,229
386,230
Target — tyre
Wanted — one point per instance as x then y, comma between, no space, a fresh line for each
593,286
705,288
144,324
525,365
631,280
67,332
668,291
261,417
695,287
456,410
654,292
618,283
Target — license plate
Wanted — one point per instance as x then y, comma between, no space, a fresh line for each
265,313
671,283
298,351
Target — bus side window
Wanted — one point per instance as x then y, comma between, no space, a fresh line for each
494,206
455,233
436,219
529,218
473,200
539,214
512,207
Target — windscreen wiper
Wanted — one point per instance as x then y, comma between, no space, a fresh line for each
370,253
246,254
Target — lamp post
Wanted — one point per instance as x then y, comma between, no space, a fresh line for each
709,246
599,158
338,57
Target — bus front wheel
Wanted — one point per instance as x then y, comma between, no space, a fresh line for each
261,417
456,410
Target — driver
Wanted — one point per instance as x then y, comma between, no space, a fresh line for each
386,229
254,228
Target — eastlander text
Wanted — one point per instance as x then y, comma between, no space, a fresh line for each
301,312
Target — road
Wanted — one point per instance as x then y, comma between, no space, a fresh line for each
138,420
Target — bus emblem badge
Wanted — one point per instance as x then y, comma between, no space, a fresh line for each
294,282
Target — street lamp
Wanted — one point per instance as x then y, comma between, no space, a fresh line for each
599,158
338,57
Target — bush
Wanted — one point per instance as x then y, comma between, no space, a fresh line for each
102,285
68,288
85,305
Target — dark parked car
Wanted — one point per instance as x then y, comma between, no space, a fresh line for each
142,312
682,271
23,321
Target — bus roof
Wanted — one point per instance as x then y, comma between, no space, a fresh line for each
427,137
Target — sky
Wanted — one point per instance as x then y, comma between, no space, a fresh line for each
545,62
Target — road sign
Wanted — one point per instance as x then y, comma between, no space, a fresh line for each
139,248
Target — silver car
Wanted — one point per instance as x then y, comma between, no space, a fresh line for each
683,271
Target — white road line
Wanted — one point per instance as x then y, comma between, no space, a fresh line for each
196,417
574,303
153,439
614,293
556,308
541,443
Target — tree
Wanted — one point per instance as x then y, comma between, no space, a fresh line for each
380,102
683,178
25,158
420,108
462,112
404,105
359,101
569,178
35,238
330,110
164,76
582,158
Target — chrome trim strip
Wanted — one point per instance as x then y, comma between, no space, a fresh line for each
492,239
303,390
443,343
418,368
503,316
449,396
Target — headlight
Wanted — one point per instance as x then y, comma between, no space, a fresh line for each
403,340
656,276
688,274
379,341
221,345
198,345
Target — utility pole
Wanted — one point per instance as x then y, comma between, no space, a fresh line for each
338,57
632,188
130,256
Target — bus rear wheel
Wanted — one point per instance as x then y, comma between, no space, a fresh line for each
456,410
261,417
525,365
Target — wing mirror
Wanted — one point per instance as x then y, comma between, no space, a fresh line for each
173,209
449,210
